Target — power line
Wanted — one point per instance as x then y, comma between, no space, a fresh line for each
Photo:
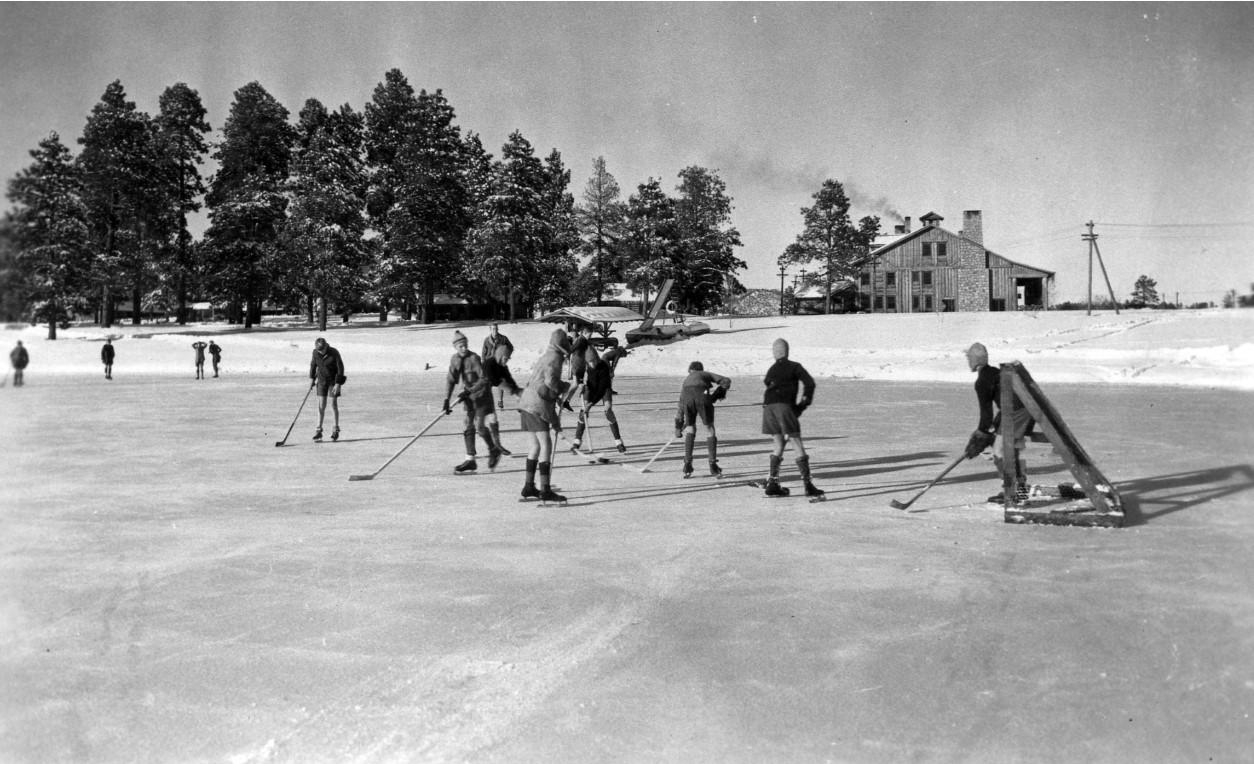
1178,225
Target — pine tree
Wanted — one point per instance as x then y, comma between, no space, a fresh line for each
830,239
600,220
1145,292
125,196
652,238
557,266
246,200
181,129
324,236
705,262
50,231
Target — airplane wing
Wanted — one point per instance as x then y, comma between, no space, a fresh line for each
592,314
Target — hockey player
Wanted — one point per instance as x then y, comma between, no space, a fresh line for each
326,372
696,400
466,368
539,413
215,353
496,369
493,341
107,354
600,386
580,349
199,347
780,416
988,396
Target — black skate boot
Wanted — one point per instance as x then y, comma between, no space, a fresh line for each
530,492
494,458
548,495
687,469
619,445
466,467
318,434
813,491
715,470
774,489
335,434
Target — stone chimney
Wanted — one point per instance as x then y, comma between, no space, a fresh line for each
973,226
906,225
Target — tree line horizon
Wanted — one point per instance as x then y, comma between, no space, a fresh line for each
342,210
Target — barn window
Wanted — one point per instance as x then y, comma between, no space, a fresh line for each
890,302
865,279
890,279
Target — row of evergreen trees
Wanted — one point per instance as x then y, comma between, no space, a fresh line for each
384,207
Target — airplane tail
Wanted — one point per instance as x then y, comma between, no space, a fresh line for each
662,294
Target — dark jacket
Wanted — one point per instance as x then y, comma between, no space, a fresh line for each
782,381
106,354
215,350
327,366
468,370
988,395
19,358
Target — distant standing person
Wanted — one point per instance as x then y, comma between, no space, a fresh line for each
199,346
19,358
781,412
215,353
696,401
326,372
107,355
493,341
539,414
988,396
466,368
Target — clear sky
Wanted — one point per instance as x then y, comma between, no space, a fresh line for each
1139,117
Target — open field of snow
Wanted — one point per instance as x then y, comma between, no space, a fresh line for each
175,588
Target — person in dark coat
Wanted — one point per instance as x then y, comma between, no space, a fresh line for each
107,355
199,346
580,348
326,372
988,397
19,358
496,371
600,387
215,353
696,401
781,412
466,368
491,343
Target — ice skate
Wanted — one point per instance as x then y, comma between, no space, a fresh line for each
715,470
687,470
504,451
574,446
335,434
774,489
622,449
494,458
530,492
318,434
466,467
549,496
813,491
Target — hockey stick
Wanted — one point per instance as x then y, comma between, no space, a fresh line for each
645,468
293,424
902,505
411,442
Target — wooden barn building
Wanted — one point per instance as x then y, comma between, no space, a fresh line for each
931,269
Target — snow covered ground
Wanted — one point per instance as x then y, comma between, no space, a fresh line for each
175,588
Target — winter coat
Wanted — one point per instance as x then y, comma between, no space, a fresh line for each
490,345
106,354
468,370
546,386
327,367
199,347
215,351
19,358
782,381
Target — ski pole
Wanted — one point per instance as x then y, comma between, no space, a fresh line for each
293,424
411,442
902,505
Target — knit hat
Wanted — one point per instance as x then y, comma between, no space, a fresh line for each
779,349
458,337
559,340
978,353
696,366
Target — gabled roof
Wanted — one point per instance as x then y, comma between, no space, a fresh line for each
902,239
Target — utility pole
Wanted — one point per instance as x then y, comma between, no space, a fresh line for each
1091,238
782,271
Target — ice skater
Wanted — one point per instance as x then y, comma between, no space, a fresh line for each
580,350
493,341
539,414
781,412
466,368
496,369
988,397
600,387
326,372
199,346
696,401
215,353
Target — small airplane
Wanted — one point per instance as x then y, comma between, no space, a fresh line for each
649,332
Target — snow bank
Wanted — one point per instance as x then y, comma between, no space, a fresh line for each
1206,348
